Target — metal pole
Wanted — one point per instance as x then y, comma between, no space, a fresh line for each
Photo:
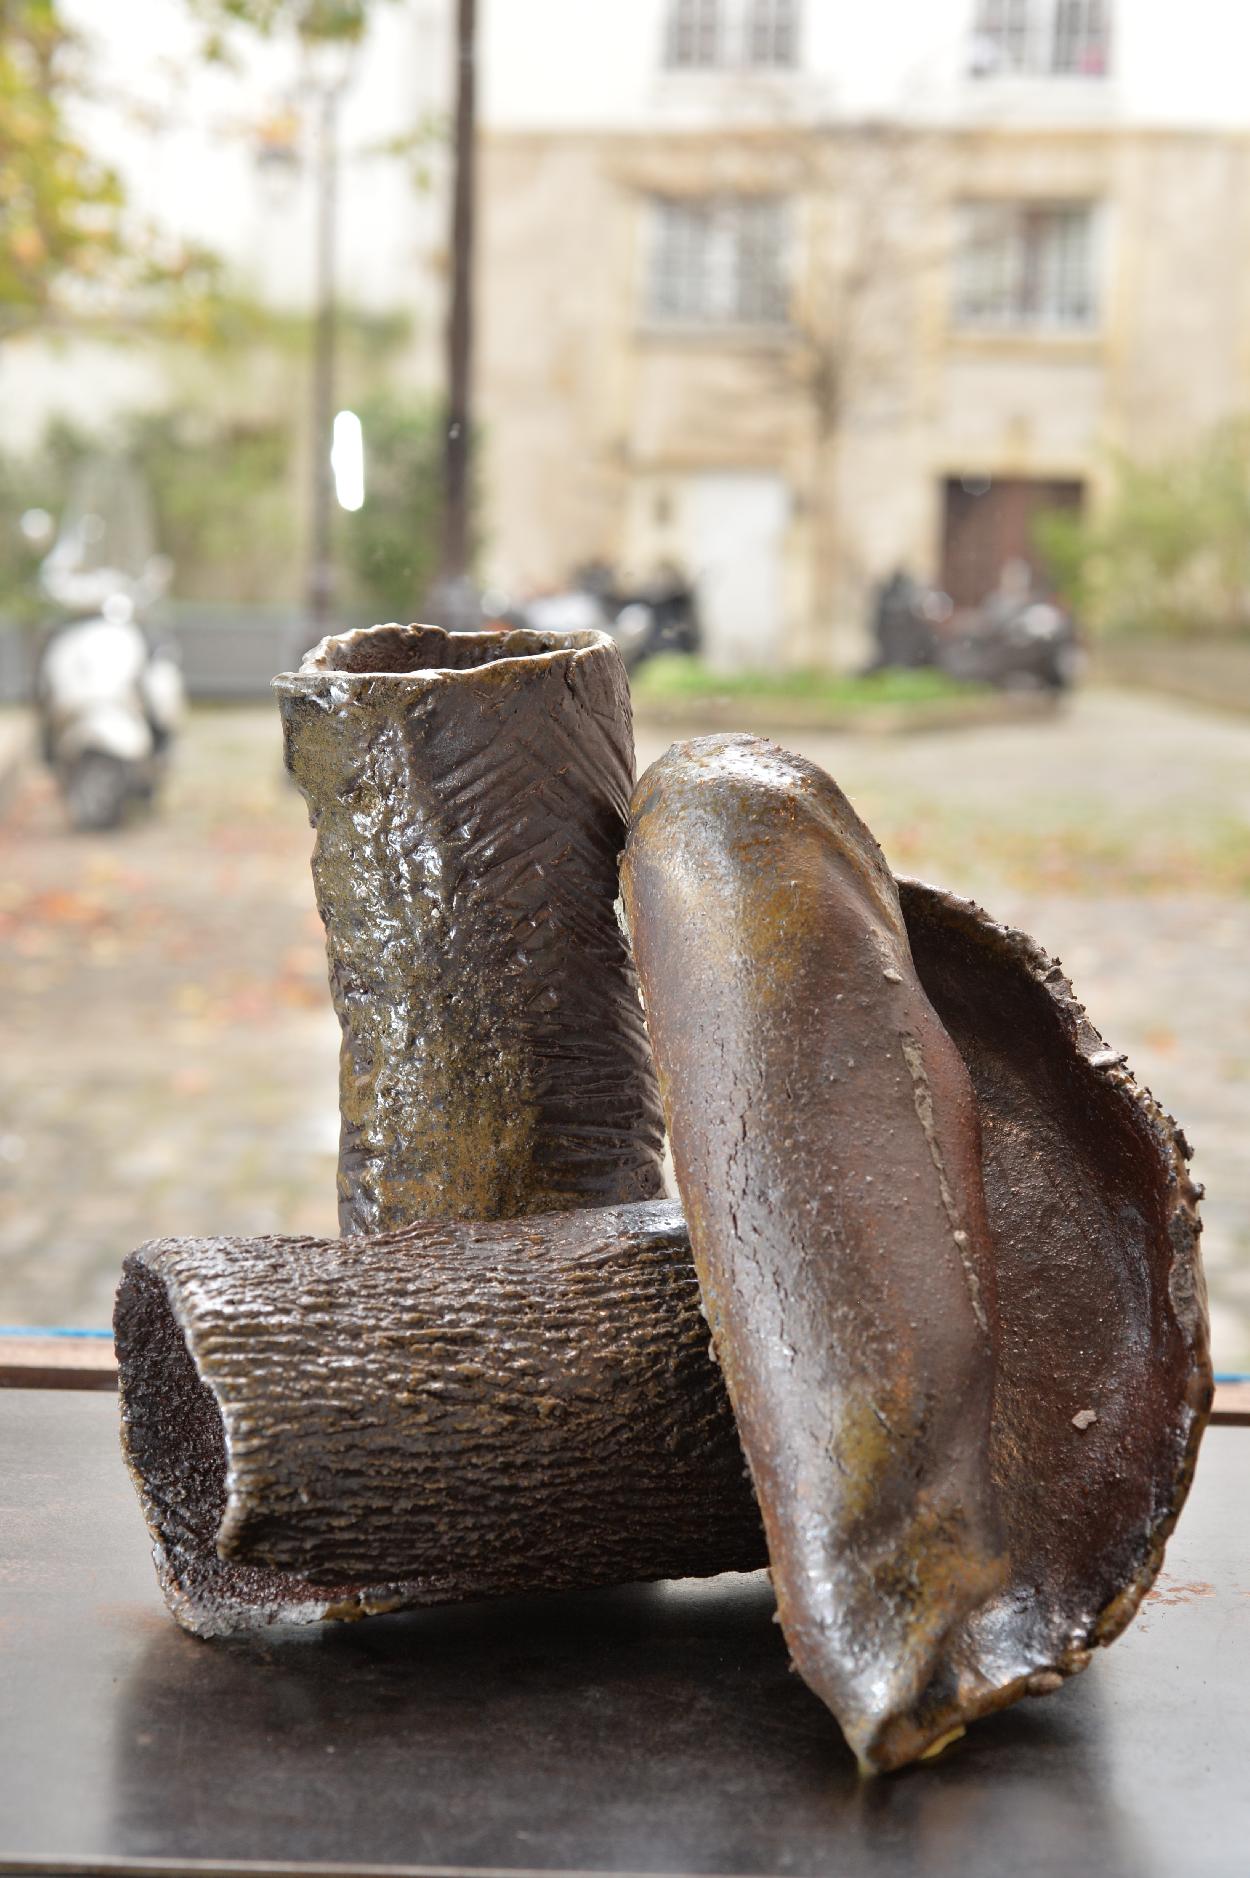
321,552
458,440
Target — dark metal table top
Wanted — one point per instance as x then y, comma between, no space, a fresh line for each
652,1730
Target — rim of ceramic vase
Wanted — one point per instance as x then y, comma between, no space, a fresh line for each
478,651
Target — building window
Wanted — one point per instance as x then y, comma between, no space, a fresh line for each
1023,266
719,263
712,35
1042,38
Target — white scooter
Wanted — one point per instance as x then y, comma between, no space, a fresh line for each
109,704
109,701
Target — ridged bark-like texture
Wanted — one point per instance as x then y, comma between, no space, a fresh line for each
469,794
796,1061
1100,1306
827,1147
449,1412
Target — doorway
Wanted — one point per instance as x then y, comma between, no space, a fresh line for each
988,521
735,524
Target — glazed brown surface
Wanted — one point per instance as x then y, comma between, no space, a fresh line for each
469,793
1100,1307
827,1148
757,906
1103,1376
324,1428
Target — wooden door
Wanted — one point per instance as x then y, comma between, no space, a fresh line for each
988,521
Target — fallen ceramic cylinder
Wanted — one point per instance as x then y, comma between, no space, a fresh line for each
469,794
968,1445
1099,1306
449,1412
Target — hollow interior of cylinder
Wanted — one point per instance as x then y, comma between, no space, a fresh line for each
406,649
174,1430
176,1444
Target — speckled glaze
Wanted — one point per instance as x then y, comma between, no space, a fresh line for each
969,1382
469,794
827,1148
1101,1301
228,1345
329,1428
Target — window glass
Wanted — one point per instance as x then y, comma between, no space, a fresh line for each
1060,38
1026,265
718,262
693,33
732,33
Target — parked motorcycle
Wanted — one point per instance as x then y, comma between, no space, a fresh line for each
907,617
108,700
656,615
109,703
1013,640
1031,647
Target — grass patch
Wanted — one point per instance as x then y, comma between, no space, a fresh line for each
677,678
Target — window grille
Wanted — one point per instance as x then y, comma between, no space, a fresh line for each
727,34
1042,38
718,262
693,33
1080,40
1026,266
772,33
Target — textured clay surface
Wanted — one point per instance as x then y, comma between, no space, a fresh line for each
329,1428
948,1527
827,1147
1100,1308
469,794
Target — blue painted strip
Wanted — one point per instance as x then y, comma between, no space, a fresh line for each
31,1330
1232,1375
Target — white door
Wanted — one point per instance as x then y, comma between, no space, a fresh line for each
734,523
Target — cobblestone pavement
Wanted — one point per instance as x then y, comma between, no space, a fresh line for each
170,1054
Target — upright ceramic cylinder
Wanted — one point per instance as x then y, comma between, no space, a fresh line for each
469,794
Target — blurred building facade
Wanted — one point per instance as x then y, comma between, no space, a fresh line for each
224,156
793,294
785,292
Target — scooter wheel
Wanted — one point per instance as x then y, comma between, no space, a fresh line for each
96,790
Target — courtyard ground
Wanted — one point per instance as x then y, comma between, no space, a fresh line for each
169,1054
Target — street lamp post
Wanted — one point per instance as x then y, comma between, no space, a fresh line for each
453,602
320,592
460,323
